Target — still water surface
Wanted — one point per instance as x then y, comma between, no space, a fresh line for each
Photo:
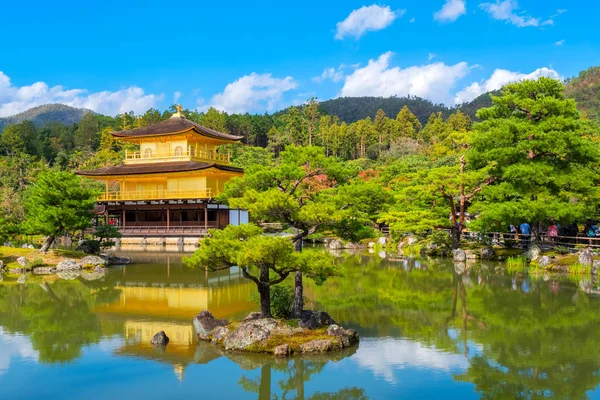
426,332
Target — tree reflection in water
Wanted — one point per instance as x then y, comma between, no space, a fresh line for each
56,316
524,338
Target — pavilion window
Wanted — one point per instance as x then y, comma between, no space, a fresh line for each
147,153
212,215
178,151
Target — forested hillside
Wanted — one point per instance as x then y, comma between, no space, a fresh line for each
46,114
585,89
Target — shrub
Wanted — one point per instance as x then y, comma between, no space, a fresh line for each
562,250
353,230
440,239
282,300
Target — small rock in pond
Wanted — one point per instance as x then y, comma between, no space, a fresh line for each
283,350
544,262
22,261
160,339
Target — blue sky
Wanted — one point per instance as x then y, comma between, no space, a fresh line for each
115,56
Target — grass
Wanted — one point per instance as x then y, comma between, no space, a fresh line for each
580,269
517,264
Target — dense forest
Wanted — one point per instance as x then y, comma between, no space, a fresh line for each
450,161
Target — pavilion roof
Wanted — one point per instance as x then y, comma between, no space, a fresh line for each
156,168
175,125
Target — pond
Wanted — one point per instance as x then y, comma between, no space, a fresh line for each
426,332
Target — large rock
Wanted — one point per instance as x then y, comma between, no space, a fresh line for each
544,262
347,336
586,257
595,267
460,255
282,350
160,339
112,259
320,346
382,241
219,334
354,246
336,244
253,315
22,261
249,333
534,252
205,324
487,253
68,265
316,320
92,261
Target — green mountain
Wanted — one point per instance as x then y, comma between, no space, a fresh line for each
351,109
47,113
585,89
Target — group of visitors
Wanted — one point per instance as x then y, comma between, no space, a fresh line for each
524,231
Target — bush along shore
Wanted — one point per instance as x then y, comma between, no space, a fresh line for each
315,332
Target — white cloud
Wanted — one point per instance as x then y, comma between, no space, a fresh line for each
176,96
14,346
550,21
431,56
499,78
560,42
432,81
505,11
331,73
371,18
386,356
451,10
254,92
412,20
14,100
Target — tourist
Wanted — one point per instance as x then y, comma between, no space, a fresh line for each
552,232
525,234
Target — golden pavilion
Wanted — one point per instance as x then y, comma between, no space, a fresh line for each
168,186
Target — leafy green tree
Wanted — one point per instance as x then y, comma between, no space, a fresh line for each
273,257
537,150
214,119
310,111
20,138
87,136
288,191
407,124
58,202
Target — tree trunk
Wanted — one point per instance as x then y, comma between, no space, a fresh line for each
298,305
455,233
47,243
264,388
264,290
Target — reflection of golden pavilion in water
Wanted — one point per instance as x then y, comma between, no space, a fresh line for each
149,305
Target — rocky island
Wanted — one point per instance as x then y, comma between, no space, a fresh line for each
315,332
